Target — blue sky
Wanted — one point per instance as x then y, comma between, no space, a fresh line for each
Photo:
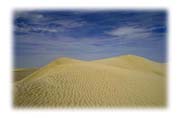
42,36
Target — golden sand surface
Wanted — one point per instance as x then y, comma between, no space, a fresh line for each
124,81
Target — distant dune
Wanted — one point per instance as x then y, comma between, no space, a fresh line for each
124,81
23,72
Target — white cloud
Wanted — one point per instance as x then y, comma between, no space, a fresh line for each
45,29
70,23
130,32
34,17
36,29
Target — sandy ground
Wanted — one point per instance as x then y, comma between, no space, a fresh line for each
125,81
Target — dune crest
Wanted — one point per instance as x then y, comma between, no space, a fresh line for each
124,81
134,63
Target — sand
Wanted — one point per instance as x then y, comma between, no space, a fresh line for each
22,73
124,81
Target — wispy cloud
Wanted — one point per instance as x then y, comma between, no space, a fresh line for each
130,32
30,22
35,29
69,23
45,29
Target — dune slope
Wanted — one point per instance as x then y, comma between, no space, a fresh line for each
22,73
134,63
73,83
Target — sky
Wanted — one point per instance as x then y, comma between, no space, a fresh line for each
42,36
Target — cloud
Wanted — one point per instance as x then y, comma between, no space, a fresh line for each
31,17
130,32
34,22
39,29
69,23
35,29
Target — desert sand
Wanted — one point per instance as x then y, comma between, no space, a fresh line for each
124,81
22,73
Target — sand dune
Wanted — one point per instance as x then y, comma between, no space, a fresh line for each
135,63
125,81
23,72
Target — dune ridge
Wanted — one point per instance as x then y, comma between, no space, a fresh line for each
124,81
21,73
